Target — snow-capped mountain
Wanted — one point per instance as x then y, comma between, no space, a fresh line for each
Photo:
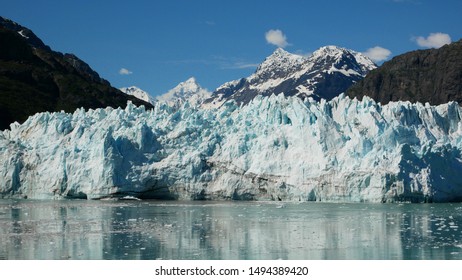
188,90
138,93
273,148
325,74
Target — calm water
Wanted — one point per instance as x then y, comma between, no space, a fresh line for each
227,230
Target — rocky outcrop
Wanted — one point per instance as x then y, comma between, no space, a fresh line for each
433,76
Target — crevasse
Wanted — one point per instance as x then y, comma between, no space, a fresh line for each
274,148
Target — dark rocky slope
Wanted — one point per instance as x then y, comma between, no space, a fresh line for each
33,79
433,76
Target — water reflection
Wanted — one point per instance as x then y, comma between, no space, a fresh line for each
227,230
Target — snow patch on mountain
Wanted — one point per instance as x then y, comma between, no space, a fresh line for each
273,148
22,33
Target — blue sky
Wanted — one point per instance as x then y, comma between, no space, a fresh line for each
157,44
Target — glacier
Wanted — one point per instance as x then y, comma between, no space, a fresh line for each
273,148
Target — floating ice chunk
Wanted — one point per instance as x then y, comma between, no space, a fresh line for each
130,197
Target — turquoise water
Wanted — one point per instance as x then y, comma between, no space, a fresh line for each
80,229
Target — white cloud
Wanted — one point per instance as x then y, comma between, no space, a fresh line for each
434,40
124,71
377,54
276,37
243,65
303,53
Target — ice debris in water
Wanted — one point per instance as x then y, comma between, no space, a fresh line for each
274,148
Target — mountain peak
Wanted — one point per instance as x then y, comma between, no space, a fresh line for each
344,58
279,60
188,86
281,52
331,49
138,93
191,80
331,52
188,90
281,55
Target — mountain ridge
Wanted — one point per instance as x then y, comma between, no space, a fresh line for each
325,74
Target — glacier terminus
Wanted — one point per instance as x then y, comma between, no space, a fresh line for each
272,148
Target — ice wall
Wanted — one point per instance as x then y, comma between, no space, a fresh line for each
274,148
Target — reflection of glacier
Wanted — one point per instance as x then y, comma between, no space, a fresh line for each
51,231
152,230
274,148
268,232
